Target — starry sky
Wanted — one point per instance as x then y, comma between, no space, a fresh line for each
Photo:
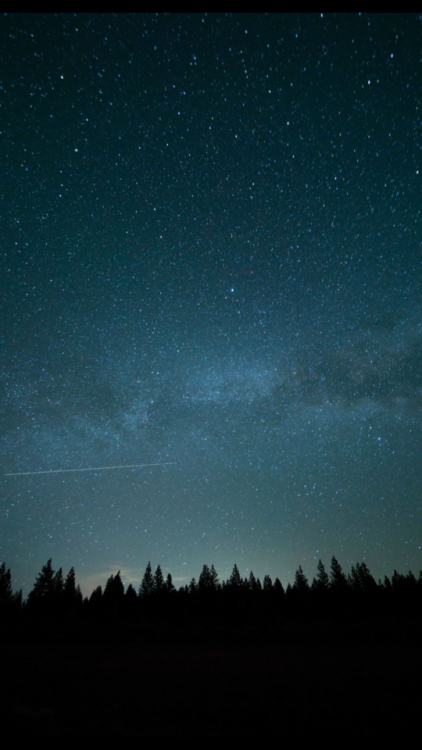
211,259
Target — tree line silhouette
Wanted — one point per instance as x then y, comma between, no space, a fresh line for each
330,595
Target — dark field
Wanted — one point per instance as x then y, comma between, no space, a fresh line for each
284,690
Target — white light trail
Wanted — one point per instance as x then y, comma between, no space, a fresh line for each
91,468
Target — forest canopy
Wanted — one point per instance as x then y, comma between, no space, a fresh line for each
331,594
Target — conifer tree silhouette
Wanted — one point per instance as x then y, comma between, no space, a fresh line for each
70,598
130,601
338,581
339,591
114,589
301,584
253,585
193,586
169,584
58,584
215,584
130,594
95,600
42,593
267,584
278,587
361,579
205,579
235,579
6,595
158,581
147,584
322,581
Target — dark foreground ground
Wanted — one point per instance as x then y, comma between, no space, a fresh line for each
296,688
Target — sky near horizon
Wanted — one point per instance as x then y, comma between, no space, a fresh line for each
211,260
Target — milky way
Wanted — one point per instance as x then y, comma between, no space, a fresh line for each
211,260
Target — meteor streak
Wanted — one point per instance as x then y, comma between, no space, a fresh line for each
91,468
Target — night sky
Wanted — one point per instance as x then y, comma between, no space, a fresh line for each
210,255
